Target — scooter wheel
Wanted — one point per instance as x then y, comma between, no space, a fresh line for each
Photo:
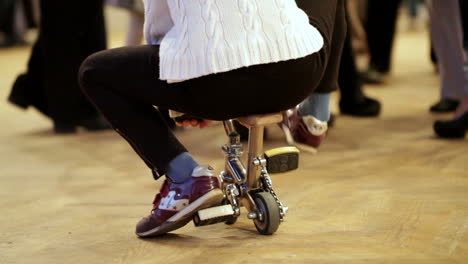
269,221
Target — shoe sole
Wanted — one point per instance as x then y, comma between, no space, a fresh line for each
291,141
455,135
185,215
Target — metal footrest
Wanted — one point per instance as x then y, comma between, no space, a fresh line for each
280,160
214,215
213,212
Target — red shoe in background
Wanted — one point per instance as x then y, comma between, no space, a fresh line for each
305,132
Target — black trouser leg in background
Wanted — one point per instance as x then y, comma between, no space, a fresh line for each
69,35
34,82
7,19
380,28
348,80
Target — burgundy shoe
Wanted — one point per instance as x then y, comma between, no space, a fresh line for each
305,132
176,204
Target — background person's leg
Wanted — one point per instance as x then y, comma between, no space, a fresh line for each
348,75
7,18
446,33
352,99
28,89
380,29
68,37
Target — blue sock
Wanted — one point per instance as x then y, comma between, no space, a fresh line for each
181,167
316,105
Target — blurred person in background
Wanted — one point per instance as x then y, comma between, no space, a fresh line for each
353,101
413,8
67,35
355,17
380,28
447,38
136,19
448,102
16,17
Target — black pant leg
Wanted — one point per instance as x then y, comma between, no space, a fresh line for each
380,28
348,80
68,36
7,17
35,84
123,85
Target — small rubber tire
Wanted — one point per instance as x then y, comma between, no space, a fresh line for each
268,207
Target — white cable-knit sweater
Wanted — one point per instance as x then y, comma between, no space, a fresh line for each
201,37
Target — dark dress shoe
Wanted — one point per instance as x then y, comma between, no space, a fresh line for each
94,124
445,105
364,107
453,128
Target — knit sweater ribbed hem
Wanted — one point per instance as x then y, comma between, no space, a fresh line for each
174,67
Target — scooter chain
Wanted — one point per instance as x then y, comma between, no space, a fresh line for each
269,187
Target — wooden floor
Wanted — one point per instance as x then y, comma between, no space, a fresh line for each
380,191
